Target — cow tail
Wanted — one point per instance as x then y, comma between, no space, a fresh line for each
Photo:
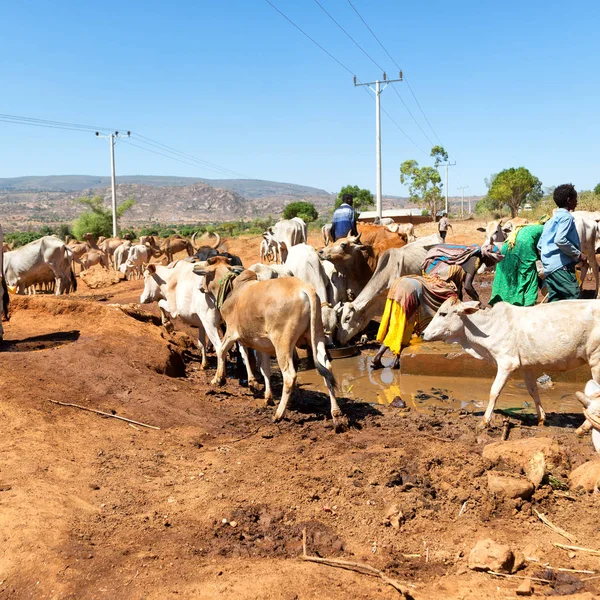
5,296
317,340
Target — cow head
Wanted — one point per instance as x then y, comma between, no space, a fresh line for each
213,271
494,232
351,322
152,283
341,252
590,399
448,321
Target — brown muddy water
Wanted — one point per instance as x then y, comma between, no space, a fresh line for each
467,390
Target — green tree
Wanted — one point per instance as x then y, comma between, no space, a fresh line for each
362,198
512,187
97,220
597,190
424,184
305,210
439,154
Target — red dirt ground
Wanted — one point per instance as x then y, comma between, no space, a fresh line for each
93,507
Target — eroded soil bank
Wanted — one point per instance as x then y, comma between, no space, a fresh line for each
213,504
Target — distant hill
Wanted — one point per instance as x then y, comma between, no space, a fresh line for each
33,201
249,188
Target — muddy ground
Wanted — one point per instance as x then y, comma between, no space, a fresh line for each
213,504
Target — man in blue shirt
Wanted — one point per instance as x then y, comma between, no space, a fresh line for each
560,248
344,219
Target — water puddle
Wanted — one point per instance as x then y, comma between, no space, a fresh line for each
356,380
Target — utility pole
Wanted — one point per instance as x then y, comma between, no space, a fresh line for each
447,164
462,202
112,138
377,91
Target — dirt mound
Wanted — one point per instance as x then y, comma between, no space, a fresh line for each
97,277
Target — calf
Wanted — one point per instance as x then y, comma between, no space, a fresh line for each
139,255
548,337
272,317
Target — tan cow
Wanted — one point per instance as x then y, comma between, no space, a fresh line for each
108,246
174,244
272,317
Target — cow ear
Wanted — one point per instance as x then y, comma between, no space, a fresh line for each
482,229
468,308
212,260
151,268
338,308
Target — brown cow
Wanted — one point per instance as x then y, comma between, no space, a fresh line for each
356,258
272,317
175,243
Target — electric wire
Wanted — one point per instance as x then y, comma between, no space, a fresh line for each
398,67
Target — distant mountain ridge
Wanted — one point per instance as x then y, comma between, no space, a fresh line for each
249,188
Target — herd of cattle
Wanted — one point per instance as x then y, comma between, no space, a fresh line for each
309,298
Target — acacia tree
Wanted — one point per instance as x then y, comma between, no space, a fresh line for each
97,220
362,198
514,186
305,210
597,190
424,185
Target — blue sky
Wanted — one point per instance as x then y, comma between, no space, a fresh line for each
231,82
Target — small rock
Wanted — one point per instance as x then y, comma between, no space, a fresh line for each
520,561
521,452
525,589
572,555
586,476
509,486
536,469
487,555
397,402
232,523
224,521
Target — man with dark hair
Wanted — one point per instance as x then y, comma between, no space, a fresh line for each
443,226
344,219
560,247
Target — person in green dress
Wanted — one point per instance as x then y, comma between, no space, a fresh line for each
516,279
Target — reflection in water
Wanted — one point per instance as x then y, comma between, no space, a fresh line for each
356,380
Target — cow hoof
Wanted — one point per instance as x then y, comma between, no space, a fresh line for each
340,424
217,381
541,422
269,401
276,419
483,424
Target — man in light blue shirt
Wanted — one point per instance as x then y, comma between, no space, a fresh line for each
560,248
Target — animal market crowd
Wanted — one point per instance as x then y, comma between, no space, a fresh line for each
311,299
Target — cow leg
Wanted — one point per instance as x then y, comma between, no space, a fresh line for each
501,378
532,388
596,271
252,383
202,346
226,345
264,364
286,364
165,316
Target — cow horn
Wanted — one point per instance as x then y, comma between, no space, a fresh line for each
218,242
583,399
194,240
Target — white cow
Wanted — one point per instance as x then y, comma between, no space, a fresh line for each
548,337
587,228
30,264
122,254
590,399
369,304
178,293
303,261
265,272
326,233
3,287
285,234
133,267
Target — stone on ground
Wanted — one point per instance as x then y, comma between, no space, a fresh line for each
487,555
586,476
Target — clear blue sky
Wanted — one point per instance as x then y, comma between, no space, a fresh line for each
503,84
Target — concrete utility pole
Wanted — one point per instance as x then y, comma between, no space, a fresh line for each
462,202
448,164
112,139
377,91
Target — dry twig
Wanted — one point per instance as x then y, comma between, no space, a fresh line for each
577,548
104,414
548,523
353,566
519,577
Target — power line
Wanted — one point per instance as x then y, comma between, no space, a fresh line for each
310,38
349,36
342,65
167,150
398,67
376,64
